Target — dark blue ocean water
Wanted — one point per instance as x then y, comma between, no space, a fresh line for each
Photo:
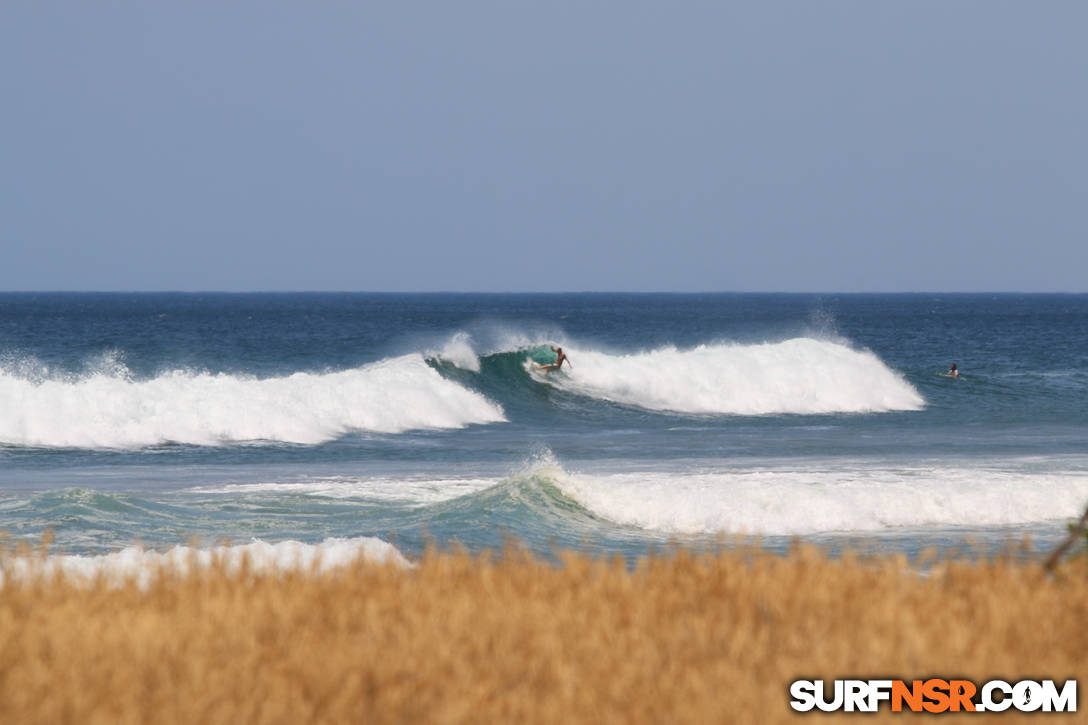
168,418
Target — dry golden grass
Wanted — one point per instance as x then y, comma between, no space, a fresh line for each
683,637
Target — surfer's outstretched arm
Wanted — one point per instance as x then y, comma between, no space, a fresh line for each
560,358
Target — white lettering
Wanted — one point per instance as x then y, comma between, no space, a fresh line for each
988,702
836,703
1066,701
856,696
803,693
1027,696
879,690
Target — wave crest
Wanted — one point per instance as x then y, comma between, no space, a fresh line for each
844,498
134,564
802,375
107,409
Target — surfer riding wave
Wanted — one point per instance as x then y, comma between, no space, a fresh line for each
560,358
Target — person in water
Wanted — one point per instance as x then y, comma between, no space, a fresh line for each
560,358
953,372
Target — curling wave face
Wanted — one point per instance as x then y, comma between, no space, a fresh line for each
803,375
108,409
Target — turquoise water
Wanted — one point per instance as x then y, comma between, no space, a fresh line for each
168,418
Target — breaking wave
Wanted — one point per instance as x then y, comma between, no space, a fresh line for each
108,409
841,498
836,496
451,386
802,375
138,565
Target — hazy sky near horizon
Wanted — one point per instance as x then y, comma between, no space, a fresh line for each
513,146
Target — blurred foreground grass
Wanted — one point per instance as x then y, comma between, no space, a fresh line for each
681,637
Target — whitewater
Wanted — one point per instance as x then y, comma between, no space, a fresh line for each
108,408
111,410
800,376
138,429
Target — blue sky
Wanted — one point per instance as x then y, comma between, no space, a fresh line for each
513,146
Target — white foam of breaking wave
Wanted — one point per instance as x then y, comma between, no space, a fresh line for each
464,349
802,375
419,490
459,351
111,410
134,564
835,498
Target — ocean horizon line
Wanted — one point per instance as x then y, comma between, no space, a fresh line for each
543,293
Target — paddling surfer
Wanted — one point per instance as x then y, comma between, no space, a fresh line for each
560,358
953,372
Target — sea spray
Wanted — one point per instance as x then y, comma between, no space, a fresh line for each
458,350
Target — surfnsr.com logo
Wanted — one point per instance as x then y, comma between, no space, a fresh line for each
933,695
